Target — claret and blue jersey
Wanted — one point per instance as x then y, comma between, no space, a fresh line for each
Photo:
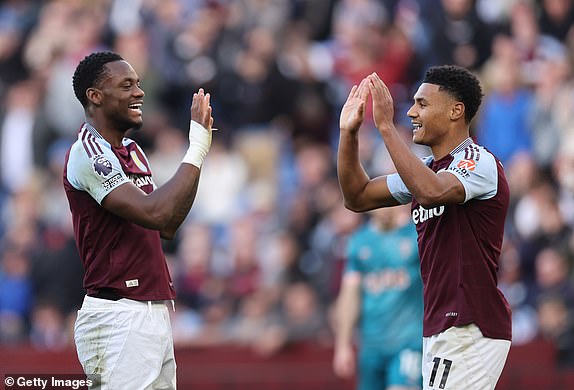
459,244
136,269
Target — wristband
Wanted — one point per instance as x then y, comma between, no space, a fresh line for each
199,143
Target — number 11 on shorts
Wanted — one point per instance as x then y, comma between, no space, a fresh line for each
447,364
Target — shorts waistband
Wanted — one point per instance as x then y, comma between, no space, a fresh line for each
91,302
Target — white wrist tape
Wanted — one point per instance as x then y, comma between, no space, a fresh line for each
199,143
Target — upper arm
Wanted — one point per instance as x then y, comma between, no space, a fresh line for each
351,281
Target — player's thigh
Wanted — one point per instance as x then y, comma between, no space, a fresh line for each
98,336
167,376
462,358
146,359
122,349
404,371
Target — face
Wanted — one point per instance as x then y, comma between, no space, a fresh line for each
122,97
430,114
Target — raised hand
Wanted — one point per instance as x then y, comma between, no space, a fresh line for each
201,109
353,111
199,129
383,109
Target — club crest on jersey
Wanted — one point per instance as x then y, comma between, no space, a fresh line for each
102,166
137,161
421,214
467,164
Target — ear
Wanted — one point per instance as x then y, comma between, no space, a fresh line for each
94,96
457,111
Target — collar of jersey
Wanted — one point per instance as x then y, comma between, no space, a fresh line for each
95,133
463,145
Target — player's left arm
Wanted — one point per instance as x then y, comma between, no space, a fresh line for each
165,208
429,188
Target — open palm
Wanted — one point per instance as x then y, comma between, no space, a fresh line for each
383,109
353,111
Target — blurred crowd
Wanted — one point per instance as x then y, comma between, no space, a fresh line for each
258,261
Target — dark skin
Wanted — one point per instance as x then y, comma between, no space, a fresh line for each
438,121
109,111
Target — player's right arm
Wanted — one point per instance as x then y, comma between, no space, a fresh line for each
347,313
360,192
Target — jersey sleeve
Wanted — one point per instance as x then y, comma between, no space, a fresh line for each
97,175
352,264
479,176
398,189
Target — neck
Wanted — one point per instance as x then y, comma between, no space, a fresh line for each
107,130
449,143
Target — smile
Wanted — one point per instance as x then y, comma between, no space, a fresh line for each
136,107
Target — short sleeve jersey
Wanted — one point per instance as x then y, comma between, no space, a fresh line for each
460,244
391,287
116,254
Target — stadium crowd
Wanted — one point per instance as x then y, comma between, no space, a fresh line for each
258,261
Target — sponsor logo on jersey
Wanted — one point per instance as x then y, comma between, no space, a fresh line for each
451,314
462,172
421,214
141,181
112,182
387,279
102,166
467,164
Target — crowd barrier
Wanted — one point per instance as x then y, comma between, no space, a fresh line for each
299,366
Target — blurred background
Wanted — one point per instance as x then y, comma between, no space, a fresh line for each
257,264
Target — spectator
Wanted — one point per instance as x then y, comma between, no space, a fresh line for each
557,326
16,297
281,70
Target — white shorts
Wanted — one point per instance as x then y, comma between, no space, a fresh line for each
125,344
461,358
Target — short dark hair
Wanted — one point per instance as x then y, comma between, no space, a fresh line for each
90,71
460,83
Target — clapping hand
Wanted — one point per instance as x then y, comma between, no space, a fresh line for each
353,111
383,109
